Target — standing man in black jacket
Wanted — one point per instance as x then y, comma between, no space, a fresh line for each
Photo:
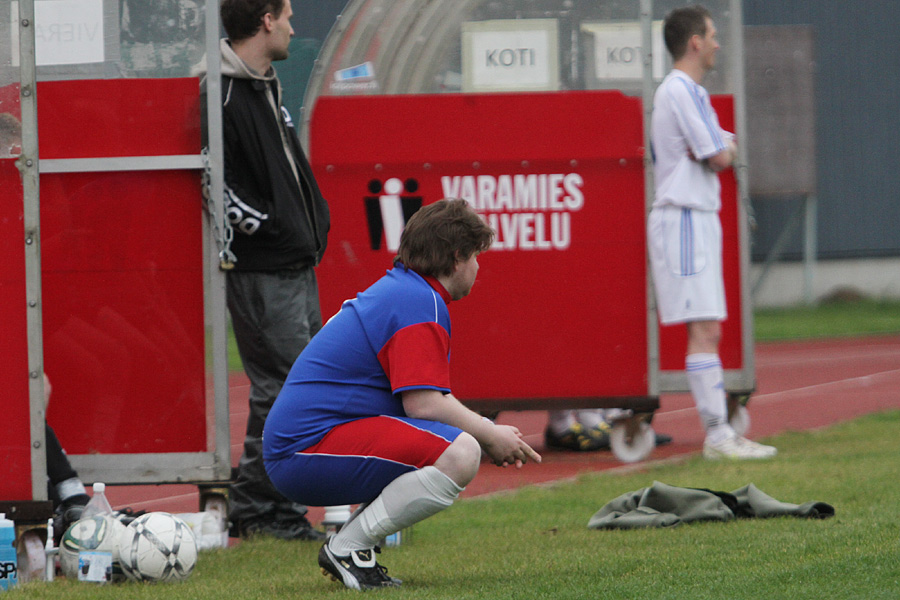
280,222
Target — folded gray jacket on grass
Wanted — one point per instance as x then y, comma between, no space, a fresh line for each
662,505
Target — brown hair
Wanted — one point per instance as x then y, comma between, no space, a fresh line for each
440,234
241,19
681,25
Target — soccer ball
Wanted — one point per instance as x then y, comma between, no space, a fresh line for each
99,533
157,546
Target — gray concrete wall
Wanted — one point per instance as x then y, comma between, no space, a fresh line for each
876,278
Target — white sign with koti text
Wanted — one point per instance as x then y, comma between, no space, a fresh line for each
510,55
618,53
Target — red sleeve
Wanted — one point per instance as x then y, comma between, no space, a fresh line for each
417,357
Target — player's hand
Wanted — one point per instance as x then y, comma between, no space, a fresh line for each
733,147
506,447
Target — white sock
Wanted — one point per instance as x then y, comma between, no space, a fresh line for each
410,498
560,420
356,512
70,487
707,383
589,417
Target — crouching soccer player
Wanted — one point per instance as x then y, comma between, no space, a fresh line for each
366,415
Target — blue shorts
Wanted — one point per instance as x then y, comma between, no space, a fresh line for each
355,461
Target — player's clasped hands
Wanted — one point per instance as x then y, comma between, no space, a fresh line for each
508,447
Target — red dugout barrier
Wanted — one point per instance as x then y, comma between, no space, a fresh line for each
559,310
122,269
558,315
122,278
15,443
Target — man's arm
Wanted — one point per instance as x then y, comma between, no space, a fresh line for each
247,212
503,443
724,159
700,129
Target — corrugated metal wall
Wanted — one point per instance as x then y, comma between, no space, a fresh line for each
857,123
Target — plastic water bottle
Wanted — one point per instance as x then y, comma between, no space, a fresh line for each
9,567
335,517
98,504
398,537
93,565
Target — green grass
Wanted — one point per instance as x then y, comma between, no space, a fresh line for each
832,319
534,543
234,358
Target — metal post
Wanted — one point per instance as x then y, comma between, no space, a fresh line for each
28,167
745,381
653,358
810,247
216,278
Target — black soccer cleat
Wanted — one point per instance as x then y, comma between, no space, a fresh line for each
575,438
357,571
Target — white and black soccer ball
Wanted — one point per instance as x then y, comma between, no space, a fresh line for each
99,533
157,546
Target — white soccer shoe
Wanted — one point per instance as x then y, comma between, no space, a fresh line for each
737,448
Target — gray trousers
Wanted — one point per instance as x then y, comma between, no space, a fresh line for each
274,315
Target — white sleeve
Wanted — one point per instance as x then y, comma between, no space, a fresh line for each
697,119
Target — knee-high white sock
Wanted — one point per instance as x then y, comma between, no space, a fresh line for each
410,498
707,383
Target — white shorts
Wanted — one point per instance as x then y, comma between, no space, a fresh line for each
686,261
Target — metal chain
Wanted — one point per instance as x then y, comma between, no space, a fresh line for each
223,235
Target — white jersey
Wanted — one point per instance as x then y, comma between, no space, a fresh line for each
684,124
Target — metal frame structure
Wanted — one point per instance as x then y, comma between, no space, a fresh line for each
147,468
28,167
647,88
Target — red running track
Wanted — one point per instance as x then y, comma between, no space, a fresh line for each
801,385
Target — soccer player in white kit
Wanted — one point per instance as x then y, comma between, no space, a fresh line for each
683,231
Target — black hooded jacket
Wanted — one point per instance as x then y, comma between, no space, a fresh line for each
280,219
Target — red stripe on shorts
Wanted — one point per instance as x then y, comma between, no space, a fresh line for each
385,438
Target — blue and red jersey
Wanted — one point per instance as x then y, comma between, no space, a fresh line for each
393,337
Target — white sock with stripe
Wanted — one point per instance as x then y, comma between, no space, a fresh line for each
706,380
410,498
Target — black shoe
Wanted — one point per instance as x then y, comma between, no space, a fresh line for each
575,438
663,439
298,529
600,432
357,571
67,513
127,515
